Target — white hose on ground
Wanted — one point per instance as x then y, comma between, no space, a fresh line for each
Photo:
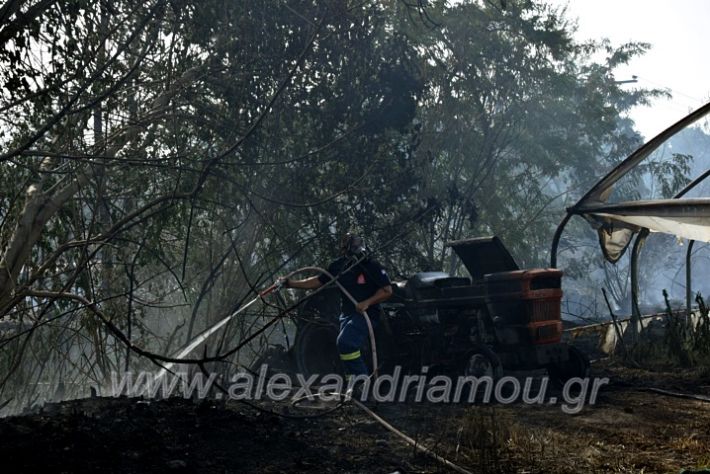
410,441
418,446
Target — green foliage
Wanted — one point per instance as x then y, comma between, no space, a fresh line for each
516,121
685,342
218,143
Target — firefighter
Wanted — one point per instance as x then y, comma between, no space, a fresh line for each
368,283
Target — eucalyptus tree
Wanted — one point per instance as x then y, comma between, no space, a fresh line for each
160,158
517,120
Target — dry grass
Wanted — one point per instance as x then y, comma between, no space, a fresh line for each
628,430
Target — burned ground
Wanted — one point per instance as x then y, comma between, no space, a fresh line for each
629,430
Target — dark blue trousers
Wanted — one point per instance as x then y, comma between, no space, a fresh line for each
352,337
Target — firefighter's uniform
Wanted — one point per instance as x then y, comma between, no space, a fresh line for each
361,281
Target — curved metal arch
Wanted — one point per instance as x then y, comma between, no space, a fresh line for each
688,280
602,188
638,245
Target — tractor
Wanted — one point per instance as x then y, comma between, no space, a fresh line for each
501,318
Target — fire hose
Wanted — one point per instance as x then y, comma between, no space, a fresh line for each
347,396
276,286
370,330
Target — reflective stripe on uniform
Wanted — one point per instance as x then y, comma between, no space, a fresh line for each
350,356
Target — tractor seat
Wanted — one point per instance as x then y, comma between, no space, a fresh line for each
410,289
400,292
426,279
436,279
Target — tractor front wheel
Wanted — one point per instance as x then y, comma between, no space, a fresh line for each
577,365
483,362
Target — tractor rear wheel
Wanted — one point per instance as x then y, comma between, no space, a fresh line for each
314,348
